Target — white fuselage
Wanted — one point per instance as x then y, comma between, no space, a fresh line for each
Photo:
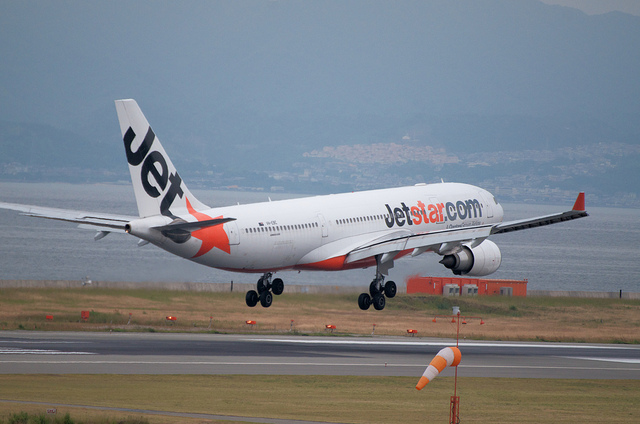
318,232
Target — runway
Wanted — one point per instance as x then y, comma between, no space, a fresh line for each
166,353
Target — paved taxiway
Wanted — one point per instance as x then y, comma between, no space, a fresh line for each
165,353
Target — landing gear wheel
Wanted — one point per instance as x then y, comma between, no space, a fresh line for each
373,288
364,301
379,302
277,286
251,298
390,289
266,298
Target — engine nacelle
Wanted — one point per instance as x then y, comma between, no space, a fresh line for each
478,261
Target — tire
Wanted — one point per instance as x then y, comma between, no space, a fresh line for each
364,301
390,289
373,288
379,302
277,286
266,298
251,298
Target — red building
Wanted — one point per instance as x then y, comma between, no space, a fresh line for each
465,286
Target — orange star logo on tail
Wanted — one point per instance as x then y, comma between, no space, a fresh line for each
211,237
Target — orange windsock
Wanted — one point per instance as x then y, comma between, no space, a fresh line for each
449,356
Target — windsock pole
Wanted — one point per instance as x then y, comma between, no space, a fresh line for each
449,356
454,405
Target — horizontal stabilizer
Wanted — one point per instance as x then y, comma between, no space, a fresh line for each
192,226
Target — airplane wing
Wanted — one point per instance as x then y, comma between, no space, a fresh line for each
97,221
449,241
386,245
443,242
192,226
578,211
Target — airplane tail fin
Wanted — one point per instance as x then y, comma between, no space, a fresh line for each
157,186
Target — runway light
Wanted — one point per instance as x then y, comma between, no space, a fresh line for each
249,322
171,318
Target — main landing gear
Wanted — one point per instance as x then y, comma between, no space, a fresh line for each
265,288
378,289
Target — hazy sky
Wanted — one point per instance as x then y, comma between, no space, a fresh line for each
596,7
247,86
317,69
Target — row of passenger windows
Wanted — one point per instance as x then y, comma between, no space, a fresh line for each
361,219
344,221
280,228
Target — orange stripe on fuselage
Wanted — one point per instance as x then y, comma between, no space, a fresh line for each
332,264
338,263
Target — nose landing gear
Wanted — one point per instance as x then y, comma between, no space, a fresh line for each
265,288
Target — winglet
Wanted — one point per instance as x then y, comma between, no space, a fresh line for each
579,205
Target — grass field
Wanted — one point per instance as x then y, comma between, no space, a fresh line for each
324,398
515,318
334,399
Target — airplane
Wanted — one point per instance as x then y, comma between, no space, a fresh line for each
328,233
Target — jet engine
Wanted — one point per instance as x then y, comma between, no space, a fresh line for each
478,261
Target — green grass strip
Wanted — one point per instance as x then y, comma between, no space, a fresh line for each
341,399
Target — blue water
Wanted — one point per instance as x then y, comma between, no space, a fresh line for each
598,253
